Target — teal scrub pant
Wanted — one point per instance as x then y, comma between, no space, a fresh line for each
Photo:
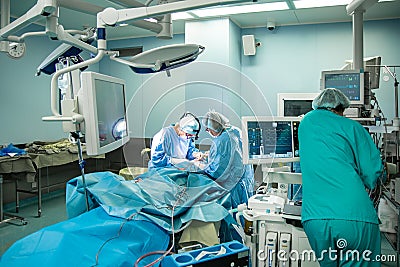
344,243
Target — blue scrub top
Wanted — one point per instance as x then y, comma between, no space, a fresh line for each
339,161
225,164
167,144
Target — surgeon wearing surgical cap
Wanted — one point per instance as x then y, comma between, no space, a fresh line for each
339,161
225,158
175,142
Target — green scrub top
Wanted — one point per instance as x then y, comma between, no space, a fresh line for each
338,161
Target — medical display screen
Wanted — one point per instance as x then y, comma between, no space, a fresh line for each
297,107
111,120
272,139
102,102
348,83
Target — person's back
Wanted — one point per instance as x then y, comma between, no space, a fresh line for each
338,160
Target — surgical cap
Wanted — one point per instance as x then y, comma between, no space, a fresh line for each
215,121
331,98
189,124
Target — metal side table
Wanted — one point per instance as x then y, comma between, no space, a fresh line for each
7,217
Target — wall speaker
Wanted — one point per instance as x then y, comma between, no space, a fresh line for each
249,45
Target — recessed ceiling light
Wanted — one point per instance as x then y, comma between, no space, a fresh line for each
241,9
181,15
320,3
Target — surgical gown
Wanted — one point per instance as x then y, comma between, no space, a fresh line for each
338,161
167,144
226,166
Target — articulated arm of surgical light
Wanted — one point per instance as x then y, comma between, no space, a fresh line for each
359,6
43,8
111,16
77,118
163,26
20,39
56,31
151,26
65,37
155,67
51,29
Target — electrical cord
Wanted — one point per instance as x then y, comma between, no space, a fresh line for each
169,251
114,237
180,196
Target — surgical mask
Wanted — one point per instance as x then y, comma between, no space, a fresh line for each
183,137
213,136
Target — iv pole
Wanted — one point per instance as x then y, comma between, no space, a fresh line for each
396,120
396,111
356,9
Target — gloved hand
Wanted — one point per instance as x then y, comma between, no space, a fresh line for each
200,156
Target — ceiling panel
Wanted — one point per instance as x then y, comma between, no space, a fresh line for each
322,15
383,10
282,17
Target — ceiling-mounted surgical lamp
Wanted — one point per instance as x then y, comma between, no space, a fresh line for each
162,58
158,59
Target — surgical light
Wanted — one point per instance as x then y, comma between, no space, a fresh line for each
162,58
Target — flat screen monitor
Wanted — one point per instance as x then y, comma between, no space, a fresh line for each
295,104
350,82
372,65
103,105
269,140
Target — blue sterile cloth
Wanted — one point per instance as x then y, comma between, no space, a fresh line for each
193,196
80,240
126,219
11,149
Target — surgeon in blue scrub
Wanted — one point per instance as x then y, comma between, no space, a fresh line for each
339,161
225,163
175,142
